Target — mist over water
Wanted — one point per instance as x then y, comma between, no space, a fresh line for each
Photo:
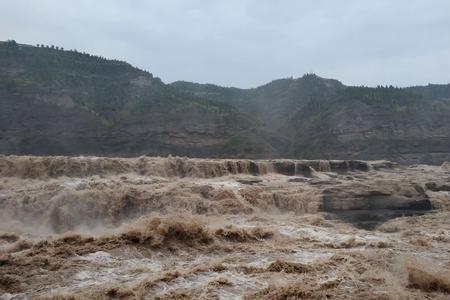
227,149
229,229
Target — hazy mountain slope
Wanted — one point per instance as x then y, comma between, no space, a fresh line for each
433,91
68,103
272,103
374,123
64,102
322,118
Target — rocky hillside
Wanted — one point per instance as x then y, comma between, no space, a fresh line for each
70,103
322,118
64,102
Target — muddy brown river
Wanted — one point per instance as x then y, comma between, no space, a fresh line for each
179,228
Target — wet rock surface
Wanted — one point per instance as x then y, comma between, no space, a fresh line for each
366,204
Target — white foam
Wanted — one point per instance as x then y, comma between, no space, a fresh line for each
230,183
240,283
106,268
72,184
7,296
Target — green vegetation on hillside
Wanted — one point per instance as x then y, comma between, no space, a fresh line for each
121,106
54,101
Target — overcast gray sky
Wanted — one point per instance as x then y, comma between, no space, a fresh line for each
247,43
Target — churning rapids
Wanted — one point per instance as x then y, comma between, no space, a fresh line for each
179,228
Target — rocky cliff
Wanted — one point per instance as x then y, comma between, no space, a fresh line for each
65,102
322,118
55,102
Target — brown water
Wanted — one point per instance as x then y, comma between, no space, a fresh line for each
94,228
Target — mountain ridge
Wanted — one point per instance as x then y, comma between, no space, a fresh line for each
74,103
54,101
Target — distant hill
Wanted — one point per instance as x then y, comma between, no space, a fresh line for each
69,103
322,118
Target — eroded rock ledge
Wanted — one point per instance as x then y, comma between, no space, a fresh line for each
364,193
55,166
367,204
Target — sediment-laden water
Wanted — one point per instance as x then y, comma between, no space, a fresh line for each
178,228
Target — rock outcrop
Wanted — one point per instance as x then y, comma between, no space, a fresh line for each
369,203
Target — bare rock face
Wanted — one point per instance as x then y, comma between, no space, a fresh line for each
378,195
438,187
366,204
